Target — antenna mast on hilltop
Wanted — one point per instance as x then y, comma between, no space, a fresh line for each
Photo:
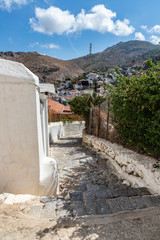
90,49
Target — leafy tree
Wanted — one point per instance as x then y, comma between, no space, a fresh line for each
81,104
135,102
67,79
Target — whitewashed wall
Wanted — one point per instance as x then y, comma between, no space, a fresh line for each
23,166
59,129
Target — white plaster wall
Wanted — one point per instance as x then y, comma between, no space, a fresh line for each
24,168
48,173
74,128
59,129
19,168
47,87
135,168
56,131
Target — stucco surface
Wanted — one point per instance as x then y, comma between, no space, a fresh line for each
56,131
59,129
16,72
23,166
73,128
19,165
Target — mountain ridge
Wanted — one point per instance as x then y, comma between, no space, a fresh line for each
124,53
50,69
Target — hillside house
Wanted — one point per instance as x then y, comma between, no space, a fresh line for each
92,76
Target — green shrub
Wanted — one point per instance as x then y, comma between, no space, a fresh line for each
135,103
81,104
67,120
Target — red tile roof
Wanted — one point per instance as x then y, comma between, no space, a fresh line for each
58,108
67,109
82,80
55,107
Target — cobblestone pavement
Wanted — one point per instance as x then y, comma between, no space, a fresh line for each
90,186
93,204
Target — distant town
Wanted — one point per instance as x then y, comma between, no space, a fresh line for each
86,83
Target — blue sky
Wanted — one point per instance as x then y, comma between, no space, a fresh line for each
65,28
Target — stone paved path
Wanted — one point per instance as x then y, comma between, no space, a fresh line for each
90,186
93,204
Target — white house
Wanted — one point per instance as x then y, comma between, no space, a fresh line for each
92,76
24,166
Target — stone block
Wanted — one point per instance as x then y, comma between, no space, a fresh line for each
103,193
78,196
90,207
92,187
103,207
88,195
50,210
114,205
138,202
63,208
156,200
148,200
152,201
78,208
80,188
125,203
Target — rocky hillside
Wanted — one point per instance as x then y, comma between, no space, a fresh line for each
48,69
132,53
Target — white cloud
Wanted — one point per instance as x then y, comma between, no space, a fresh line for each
54,20
49,46
139,36
99,19
32,45
155,39
122,28
9,4
144,27
154,29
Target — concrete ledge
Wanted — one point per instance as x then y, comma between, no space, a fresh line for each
60,129
133,167
56,131
73,128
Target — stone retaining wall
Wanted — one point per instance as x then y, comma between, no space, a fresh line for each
135,168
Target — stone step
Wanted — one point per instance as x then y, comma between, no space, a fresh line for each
88,204
102,192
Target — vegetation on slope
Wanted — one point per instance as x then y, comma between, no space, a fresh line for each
135,103
81,104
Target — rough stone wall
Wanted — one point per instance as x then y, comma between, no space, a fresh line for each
135,168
